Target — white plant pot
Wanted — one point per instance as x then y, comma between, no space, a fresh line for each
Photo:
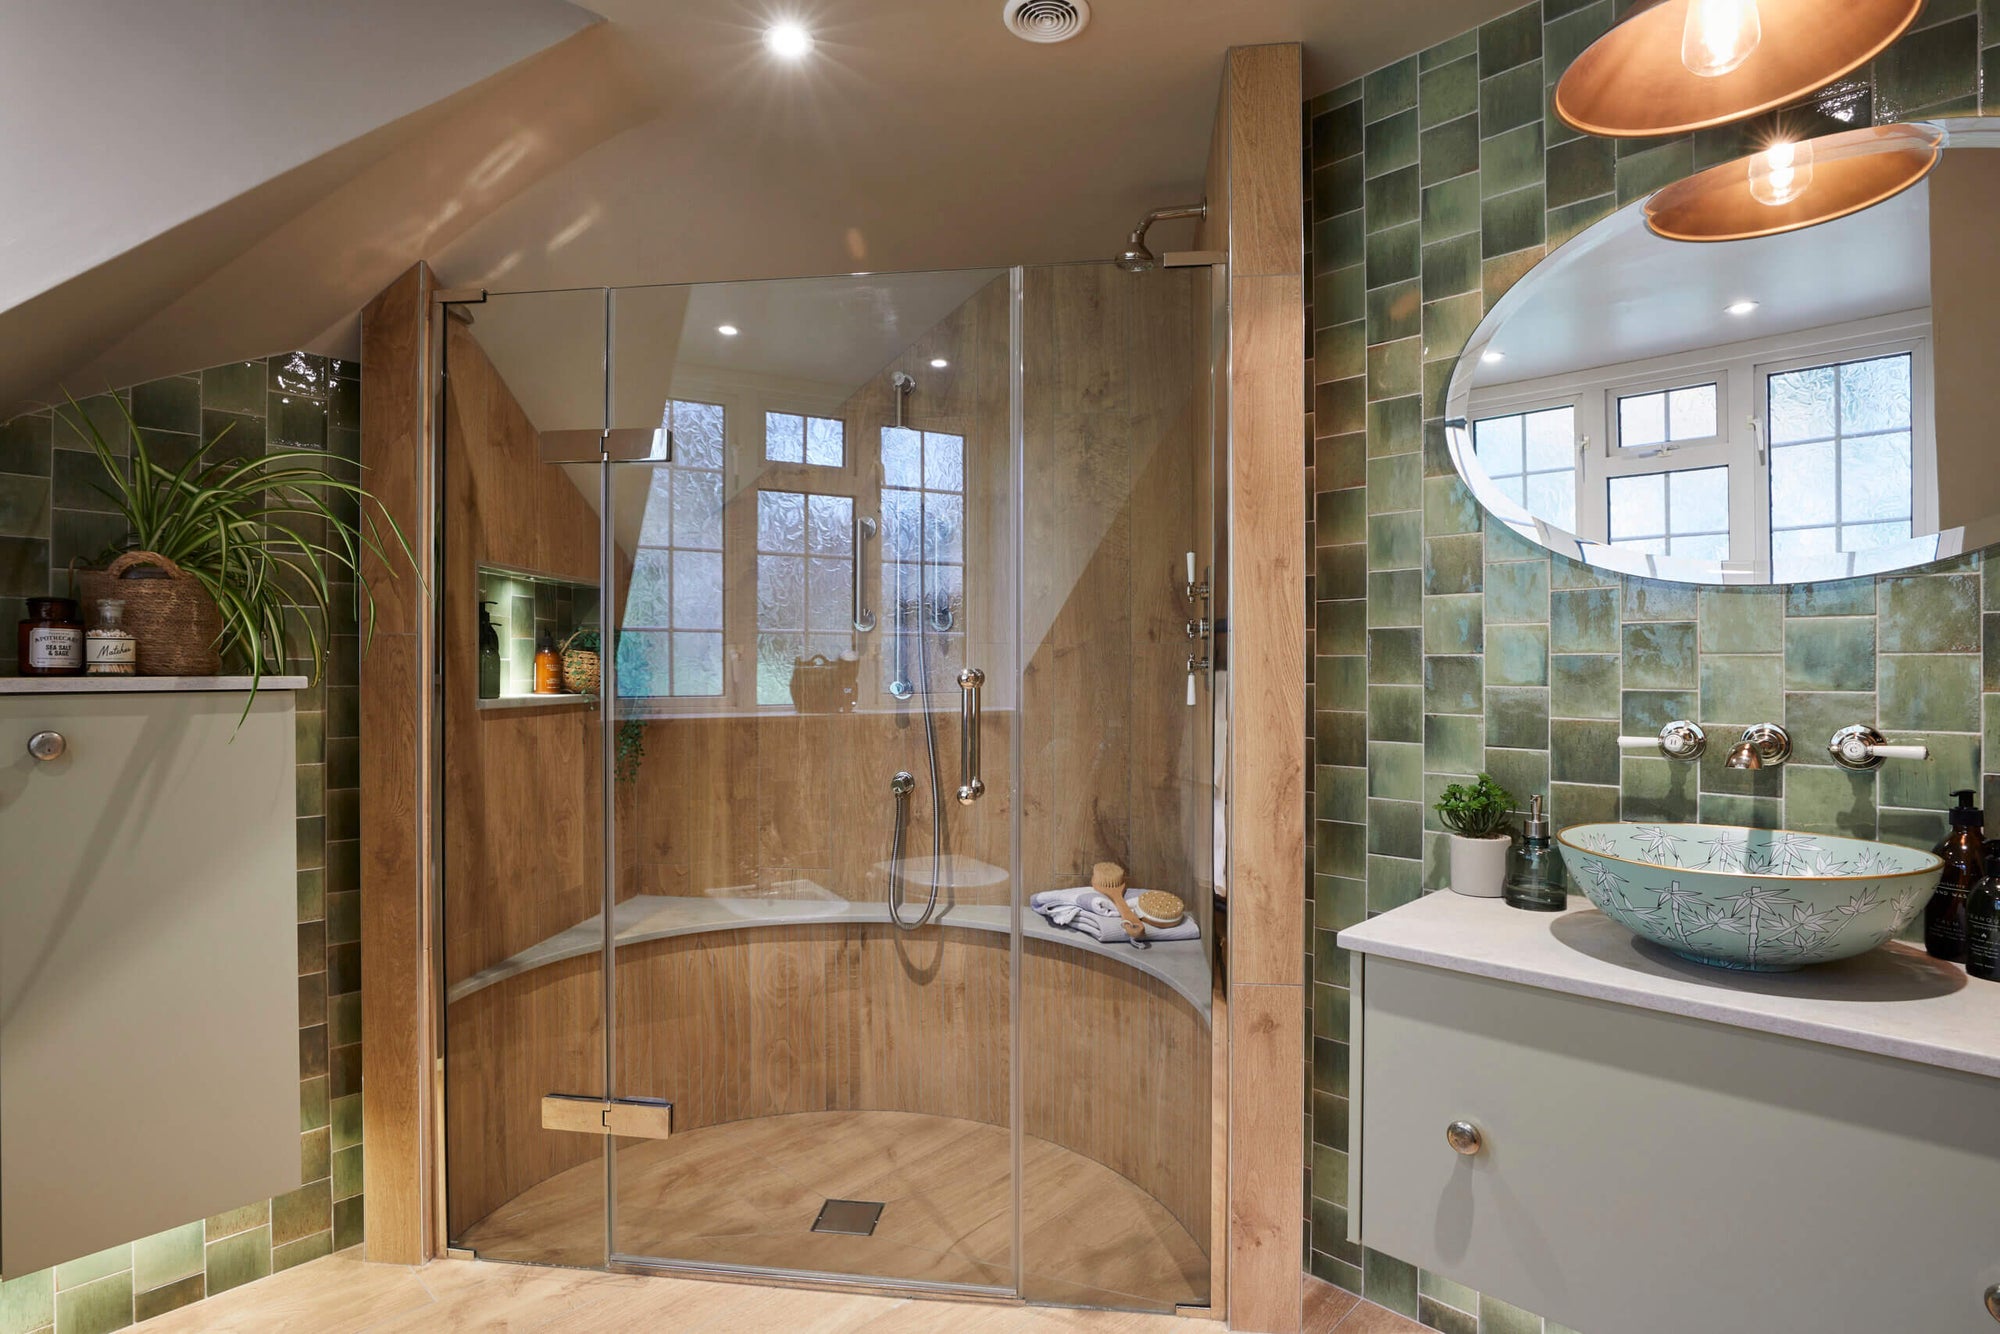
1479,865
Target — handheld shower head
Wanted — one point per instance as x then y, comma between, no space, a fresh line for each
1135,257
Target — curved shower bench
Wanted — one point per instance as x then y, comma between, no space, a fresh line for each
794,1024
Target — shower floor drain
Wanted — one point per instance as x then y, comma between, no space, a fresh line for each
854,1218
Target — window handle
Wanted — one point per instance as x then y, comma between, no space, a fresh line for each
864,619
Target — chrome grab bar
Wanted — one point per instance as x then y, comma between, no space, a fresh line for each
971,786
864,619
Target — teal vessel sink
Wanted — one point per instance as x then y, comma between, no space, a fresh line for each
1767,900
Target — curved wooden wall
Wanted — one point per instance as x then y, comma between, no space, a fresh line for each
764,1021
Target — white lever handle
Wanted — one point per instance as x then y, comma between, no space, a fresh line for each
1862,747
1638,743
1900,752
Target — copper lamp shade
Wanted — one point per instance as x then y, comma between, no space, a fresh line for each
1634,81
1817,180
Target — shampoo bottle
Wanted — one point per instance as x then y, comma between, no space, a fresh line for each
489,654
548,667
1964,867
1982,929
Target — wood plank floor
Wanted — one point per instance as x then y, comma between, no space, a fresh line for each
747,1192
342,1295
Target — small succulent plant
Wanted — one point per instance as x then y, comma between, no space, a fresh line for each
1479,811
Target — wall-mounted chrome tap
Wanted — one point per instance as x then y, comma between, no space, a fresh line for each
1861,747
1681,740
1764,746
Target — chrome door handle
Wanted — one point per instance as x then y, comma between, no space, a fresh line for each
47,745
1464,1138
970,787
864,619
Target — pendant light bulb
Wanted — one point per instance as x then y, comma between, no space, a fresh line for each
1720,35
1781,173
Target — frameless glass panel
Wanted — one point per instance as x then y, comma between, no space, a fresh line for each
522,806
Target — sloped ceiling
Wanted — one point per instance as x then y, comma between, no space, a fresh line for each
662,145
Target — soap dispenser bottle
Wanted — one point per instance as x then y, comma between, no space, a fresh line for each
1534,884
489,654
1964,867
548,666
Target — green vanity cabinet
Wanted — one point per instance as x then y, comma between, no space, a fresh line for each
149,1037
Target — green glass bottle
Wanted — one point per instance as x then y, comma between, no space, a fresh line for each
489,655
1534,884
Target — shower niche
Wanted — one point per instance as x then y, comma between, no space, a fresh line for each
893,616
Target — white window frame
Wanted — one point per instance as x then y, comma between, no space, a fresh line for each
1741,372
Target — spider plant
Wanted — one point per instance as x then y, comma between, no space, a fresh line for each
265,536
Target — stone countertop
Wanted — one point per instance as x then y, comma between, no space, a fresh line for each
141,685
1896,1001
1181,964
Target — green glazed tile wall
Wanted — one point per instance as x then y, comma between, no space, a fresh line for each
50,514
1441,646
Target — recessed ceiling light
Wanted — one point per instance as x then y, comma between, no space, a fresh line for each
1741,308
727,330
939,363
788,40
1490,357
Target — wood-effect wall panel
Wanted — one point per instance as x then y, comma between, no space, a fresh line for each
1266,181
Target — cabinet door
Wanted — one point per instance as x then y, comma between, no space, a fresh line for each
149,1048
1645,1174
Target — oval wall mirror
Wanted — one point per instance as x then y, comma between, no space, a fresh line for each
1810,406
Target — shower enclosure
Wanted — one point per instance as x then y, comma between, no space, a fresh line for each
873,607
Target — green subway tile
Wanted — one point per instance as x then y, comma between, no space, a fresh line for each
240,1259
1640,174
1449,150
1645,712
1517,655
171,1297
218,1226
1342,627
1449,1291
1813,717
1830,653
28,1303
1583,686
1510,40
1990,650
1340,463
1911,829
1395,713
1338,903
1394,254
1583,620
1390,1282
1517,719
315,1154
1395,598
1395,312
1449,507
1954,764
1849,597
1497,1317
1391,89
1926,69
1453,685
1522,772
1340,297
1340,849
1395,426
1454,744
1645,600
1447,92
1742,688
1340,351
1828,800
1742,620
315,1247
1391,200
75,1273
24,505
301,1212
1337,131
1340,683
1454,564
1583,752
1396,541
312,1106
1395,771
1451,208
1455,624
1396,657
1568,221
1572,803
1660,655
1517,592
1391,144
96,1307
1448,324
1660,789
1511,99
1929,614
167,1256
1451,267
1340,572
238,387
1512,222
1575,574
1338,794
1338,738
1499,274
1568,34
26,442
1395,370
1338,241
1504,544
102,412
1444,53
1395,829
1512,160
1753,812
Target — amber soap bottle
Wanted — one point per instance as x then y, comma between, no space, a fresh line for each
548,667
1964,867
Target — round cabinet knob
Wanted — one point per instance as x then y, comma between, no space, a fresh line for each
1464,1138
47,745
1993,1301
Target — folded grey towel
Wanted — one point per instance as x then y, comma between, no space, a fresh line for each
1092,913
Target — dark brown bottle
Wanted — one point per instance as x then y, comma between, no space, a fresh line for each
1964,866
1982,929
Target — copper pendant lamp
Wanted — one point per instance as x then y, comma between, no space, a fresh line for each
1790,185
1685,65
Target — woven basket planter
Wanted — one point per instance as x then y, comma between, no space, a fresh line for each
580,664
167,611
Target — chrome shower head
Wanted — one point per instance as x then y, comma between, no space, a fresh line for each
1135,257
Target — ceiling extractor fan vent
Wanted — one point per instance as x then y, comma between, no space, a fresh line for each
1046,20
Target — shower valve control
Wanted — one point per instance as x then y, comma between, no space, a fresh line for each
1198,628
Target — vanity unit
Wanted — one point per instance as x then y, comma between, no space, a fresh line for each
149,995
1582,1124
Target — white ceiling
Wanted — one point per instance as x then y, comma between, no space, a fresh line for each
1622,294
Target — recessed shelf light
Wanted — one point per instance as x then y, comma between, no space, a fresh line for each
1741,307
727,330
1492,358
939,363
788,40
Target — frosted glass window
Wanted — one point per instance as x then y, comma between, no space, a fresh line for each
791,437
1682,513
923,558
805,585
671,637
1841,454
1531,458
1667,417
